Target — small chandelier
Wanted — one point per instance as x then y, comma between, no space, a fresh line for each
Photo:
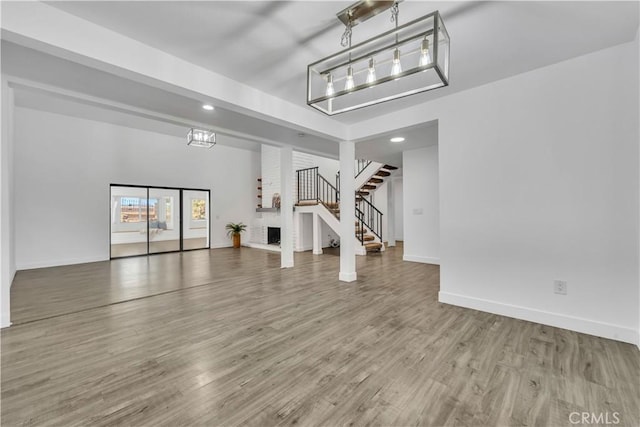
403,61
201,138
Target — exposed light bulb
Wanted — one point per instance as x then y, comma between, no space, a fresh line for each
396,68
425,53
349,83
330,91
371,76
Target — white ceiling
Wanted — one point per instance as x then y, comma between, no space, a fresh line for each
69,88
268,45
381,149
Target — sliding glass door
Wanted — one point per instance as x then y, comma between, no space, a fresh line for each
128,221
164,220
195,227
152,220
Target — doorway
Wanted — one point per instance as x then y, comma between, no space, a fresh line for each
151,220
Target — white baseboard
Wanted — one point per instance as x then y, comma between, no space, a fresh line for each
422,259
60,262
577,324
272,248
347,277
5,321
222,245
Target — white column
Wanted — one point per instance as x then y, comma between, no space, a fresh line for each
391,213
317,234
7,261
286,207
347,212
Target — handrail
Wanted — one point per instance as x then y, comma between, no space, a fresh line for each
328,195
314,187
370,216
307,180
361,165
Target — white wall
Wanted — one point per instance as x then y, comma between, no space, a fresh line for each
270,174
421,205
270,166
69,159
399,206
539,181
328,168
637,84
7,218
304,241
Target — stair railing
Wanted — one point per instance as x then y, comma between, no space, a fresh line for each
328,195
361,165
313,187
360,230
369,216
307,180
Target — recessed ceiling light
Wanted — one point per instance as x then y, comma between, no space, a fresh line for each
208,107
397,139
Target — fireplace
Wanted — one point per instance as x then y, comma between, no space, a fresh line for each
273,235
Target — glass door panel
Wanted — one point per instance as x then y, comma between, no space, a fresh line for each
195,224
128,221
164,220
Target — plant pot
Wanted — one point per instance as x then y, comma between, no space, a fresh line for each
236,240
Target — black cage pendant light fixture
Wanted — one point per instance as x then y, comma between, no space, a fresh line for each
403,61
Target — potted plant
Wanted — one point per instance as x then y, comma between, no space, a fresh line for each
234,230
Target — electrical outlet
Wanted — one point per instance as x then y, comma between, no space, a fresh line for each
560,287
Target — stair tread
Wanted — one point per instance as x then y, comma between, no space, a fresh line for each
369,187
389,167
376,180
307,203
373,246
382,173
368,238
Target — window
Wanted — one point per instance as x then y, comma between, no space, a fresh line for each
153,209
134,209
168,206
130,209
198,209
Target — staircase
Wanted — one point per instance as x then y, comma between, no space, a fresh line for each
314,190
376,179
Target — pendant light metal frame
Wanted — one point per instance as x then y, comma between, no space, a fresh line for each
201,138
433,27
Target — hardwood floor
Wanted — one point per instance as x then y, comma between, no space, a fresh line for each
140,248
225,337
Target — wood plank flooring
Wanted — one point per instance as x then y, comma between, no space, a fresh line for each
140,248
225,337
